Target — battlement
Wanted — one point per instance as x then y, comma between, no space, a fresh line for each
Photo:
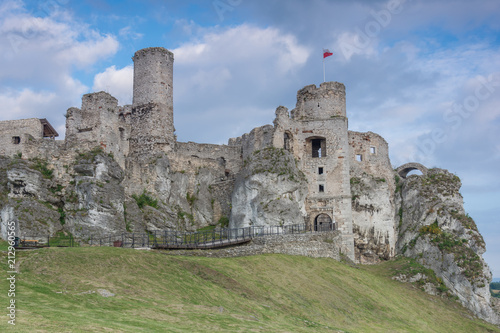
319,103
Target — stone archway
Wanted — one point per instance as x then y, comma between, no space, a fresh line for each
406,168
323,222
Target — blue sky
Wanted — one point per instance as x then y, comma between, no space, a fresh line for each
423,74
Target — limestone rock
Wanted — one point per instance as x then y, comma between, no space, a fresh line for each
270,191
435,231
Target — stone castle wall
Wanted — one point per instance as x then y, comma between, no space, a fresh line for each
315,245
14,134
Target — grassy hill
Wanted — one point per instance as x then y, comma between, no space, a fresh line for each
154,292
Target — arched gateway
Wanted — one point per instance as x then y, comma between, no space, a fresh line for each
323,222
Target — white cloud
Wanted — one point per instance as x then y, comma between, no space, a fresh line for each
39,57
245,43
117,82
231,69
24,103
128,33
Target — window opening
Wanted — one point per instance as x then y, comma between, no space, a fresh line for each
320,171
322,188
16,140
286,143
359,157
372,150
318,147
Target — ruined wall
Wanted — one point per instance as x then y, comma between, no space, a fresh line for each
258,138
14,134
98,124
373,202
228,157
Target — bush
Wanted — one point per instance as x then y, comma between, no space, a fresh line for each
145,199
42,166
224,221
431,229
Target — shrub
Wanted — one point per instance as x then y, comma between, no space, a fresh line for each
224,221
431,229
42,166
191,199
145,199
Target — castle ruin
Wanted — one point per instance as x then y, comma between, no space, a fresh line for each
306,168
315,133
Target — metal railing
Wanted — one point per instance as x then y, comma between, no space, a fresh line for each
168,239
27,241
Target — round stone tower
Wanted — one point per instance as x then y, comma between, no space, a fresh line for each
325,102
152,118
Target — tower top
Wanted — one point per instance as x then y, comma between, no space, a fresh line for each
324,102
152,50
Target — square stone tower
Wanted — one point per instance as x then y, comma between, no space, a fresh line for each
316,133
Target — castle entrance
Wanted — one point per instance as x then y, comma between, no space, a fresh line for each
323,222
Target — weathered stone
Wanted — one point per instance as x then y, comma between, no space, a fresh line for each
435,231
269,191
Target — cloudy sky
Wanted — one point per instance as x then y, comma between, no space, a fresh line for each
423,74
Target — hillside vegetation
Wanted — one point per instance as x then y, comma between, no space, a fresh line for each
57,291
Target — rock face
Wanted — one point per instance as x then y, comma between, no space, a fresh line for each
435,231
372,195
269,191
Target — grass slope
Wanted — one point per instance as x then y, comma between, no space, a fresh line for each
270,293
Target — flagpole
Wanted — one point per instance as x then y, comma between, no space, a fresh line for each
324,75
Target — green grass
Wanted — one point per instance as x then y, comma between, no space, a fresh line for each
269,293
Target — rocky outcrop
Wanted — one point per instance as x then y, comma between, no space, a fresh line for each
435,231
269,191
91,196
373,218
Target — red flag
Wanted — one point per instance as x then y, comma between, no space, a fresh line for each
326,53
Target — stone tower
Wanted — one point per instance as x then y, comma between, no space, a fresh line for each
325,102
152,118
317,135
